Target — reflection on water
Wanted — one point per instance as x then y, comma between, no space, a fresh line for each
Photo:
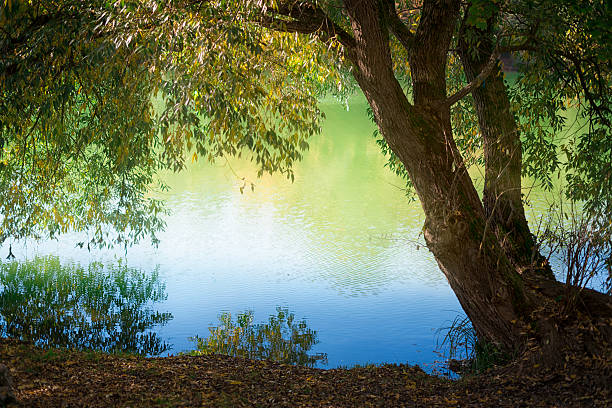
334,246
281,339
99,308
341,247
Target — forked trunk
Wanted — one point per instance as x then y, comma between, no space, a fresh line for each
502,193
505,307
477,268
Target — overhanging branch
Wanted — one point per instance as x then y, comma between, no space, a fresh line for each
476,82
306,19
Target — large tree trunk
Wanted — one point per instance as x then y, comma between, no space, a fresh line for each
478,270
502,304
502,194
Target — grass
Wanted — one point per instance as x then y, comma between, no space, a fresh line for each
463,346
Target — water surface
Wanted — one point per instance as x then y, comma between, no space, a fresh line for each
338,248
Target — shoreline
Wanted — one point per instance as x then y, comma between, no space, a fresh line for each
59,377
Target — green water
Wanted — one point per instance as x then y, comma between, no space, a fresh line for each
340,248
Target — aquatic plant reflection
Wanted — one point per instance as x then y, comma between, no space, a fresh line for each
281,339
99,308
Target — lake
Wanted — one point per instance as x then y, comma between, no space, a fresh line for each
340,248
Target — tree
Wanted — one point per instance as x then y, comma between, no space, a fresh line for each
242,78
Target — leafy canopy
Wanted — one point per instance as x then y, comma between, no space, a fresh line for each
97,97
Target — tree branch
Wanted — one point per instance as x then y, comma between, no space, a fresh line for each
398,28
476,82
526,46
306,19
600,109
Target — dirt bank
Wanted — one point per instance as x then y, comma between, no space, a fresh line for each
62,378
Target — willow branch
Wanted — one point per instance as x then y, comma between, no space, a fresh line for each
528,45
306,19
476,82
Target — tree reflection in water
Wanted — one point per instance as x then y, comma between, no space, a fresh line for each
281,339
99,308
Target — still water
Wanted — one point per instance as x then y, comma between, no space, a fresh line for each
337,248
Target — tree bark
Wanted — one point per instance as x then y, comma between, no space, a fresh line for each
502,194
514,311
485,249
478,270
510,310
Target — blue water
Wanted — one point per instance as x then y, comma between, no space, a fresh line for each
340,248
